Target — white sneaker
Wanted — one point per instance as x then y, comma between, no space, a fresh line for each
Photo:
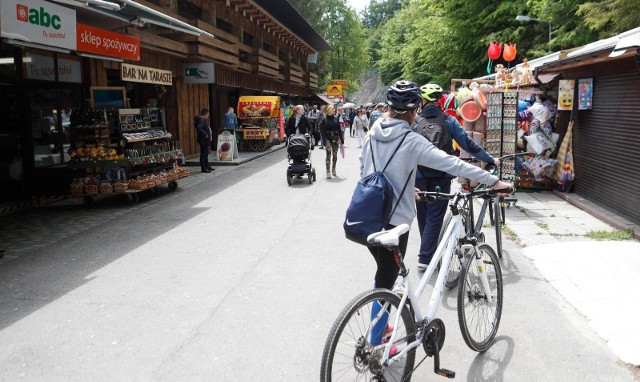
328,175
422,267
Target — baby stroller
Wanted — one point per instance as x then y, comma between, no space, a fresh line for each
299,154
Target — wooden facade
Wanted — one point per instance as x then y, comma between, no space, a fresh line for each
252,53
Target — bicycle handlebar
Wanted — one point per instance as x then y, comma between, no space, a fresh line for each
434,195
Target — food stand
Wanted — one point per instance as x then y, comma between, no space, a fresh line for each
259,117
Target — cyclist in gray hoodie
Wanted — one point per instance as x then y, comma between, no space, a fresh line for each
403,99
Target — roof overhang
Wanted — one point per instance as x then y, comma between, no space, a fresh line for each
131,12
323,98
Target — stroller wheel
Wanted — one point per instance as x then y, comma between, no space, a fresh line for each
310,178
289,177
313,171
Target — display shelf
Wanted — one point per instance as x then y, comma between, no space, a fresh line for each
135,140
98,163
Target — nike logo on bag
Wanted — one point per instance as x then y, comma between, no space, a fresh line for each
353,223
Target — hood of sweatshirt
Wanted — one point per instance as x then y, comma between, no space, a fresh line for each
387,129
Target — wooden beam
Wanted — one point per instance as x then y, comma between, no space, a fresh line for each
204,51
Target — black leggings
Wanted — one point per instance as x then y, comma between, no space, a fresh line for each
387,268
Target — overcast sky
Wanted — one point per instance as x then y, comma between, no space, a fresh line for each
357,4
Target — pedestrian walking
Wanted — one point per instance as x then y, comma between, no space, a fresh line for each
333,135
360,126
385,138
440,129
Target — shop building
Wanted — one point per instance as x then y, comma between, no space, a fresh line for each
606,127
171,57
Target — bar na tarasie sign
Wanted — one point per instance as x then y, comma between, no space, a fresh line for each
38,22
135,73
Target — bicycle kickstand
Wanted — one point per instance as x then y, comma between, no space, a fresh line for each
436,361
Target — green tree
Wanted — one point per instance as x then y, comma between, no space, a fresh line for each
379,11
340,26
610,17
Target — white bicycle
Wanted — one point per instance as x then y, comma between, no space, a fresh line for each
376,335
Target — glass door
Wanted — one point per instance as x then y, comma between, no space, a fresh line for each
50,111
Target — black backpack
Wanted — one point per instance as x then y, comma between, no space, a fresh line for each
437,133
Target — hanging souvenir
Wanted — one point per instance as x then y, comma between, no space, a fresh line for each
494,53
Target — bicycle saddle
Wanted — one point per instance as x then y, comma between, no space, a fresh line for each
389,238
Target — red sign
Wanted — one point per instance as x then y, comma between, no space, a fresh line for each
254,109
106,43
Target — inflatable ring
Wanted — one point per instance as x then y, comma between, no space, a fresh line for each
480,99
470,111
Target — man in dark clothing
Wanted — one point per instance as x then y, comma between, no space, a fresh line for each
204,139
352,116
431,215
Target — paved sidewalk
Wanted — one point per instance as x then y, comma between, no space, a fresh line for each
599,278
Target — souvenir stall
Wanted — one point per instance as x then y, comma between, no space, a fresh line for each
508,115
118,150
261,122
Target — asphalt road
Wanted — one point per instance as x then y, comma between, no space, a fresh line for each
239,278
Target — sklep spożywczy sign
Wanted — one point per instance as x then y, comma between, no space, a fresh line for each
38,22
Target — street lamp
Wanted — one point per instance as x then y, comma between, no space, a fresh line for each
526,19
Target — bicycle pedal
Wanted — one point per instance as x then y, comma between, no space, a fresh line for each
446,373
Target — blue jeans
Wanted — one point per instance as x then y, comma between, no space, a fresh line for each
430,216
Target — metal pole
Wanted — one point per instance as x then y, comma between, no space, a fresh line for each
549,36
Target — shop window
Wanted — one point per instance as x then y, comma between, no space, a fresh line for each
39,65
225,26
247,39
189,10
244,56
268,48
51,112
7,65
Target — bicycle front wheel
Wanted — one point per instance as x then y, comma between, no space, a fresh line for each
479,319
456,263
355,346
498,213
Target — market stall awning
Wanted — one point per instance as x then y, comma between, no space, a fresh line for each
258,107
545,78
324,99
135,13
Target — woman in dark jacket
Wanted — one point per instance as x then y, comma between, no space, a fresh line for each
333,136
298,123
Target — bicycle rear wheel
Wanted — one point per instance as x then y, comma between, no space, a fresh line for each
351,352
479,319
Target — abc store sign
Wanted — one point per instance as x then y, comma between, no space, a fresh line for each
38,22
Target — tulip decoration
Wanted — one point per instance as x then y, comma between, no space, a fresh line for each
494,53
509,53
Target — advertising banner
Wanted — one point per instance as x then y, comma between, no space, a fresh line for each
38,22
199,73
565,94
259,107
135,73
585,94
107,43
227,148
343,83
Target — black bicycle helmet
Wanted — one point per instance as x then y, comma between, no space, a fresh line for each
403,96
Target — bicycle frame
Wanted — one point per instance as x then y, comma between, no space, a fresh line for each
444,251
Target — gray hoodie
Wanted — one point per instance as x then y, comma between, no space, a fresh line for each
385,135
